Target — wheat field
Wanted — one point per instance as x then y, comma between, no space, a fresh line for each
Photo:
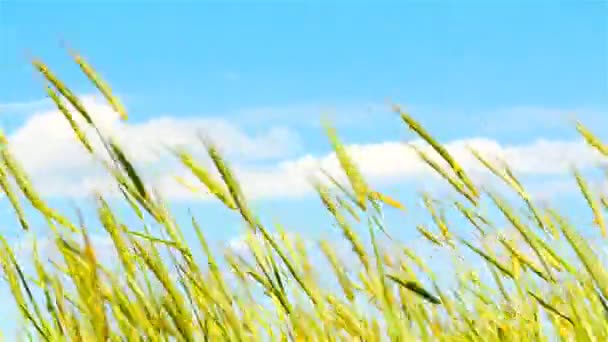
273,291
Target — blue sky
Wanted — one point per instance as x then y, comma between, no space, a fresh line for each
261,75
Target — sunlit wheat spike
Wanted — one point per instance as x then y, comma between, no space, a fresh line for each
441,172
23,183
12,197
155,265
499,173
437,219
507,176
387,200
347,317
214,186
349,167
598,217
338,269
529,237
66,113
187,184
429,236
231,182
347,231
522,259
133,175
417,128
591,139
587,256
62,89
100,84
19,281
121,246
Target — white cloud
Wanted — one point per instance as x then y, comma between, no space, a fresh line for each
48,150
393,162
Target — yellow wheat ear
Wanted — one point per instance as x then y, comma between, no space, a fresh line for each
592,139
387,200
440,149
99,83
349,167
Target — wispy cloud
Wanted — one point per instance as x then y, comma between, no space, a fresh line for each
264,161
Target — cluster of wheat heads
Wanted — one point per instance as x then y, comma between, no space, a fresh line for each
161,292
